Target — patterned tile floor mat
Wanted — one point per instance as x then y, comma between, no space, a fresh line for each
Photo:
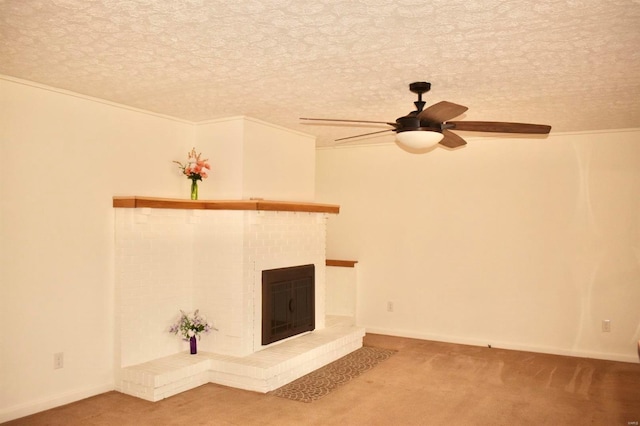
319,383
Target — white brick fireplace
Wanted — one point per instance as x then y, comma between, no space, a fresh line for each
209,256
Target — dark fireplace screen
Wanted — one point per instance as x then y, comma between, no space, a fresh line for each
288,302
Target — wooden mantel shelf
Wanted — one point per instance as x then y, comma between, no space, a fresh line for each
268,205
341,263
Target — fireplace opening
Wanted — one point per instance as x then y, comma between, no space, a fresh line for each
288,302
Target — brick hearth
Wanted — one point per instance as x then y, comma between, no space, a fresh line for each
261,371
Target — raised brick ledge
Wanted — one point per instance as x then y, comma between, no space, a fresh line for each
262,371
267,205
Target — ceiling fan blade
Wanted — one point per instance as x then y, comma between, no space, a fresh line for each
364,134
441,112
500,127
451,140
348,121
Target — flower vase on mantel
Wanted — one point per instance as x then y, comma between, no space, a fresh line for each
195,169
193,344
194,189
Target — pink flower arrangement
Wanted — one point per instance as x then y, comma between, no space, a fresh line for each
195,168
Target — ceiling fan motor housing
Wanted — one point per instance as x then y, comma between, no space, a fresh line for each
411,123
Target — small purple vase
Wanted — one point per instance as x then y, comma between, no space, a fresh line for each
194,345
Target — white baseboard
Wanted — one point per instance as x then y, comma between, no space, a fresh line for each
32,407
507,345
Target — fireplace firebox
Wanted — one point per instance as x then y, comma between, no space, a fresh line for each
288,302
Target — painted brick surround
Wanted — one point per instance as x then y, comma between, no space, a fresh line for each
185,259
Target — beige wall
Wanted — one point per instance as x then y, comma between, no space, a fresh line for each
518,243
257,160
62,160
283,168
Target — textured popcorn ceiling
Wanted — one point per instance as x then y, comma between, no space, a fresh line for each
573,64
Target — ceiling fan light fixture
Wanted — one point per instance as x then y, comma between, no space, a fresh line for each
419,139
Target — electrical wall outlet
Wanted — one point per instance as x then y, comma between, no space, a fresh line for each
606,326
58,360
389,306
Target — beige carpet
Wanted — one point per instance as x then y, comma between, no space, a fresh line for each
319,383
424,383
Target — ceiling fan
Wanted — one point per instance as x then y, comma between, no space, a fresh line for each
424,128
